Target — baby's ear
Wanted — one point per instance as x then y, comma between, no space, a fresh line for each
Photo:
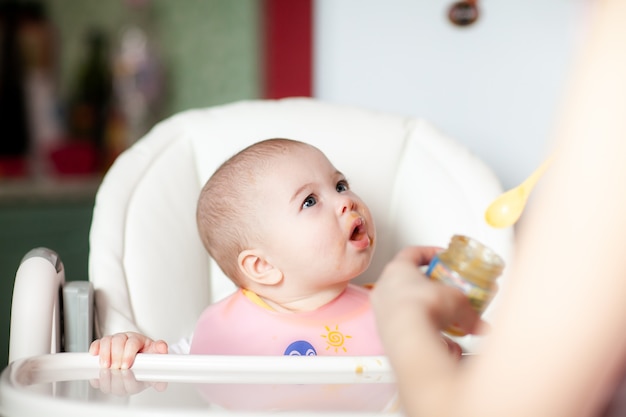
257,269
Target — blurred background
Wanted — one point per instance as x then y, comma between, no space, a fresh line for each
81,80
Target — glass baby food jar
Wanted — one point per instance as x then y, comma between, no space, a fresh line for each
471,267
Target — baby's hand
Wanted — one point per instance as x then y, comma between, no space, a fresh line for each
119,351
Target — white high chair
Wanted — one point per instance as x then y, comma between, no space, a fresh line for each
151,274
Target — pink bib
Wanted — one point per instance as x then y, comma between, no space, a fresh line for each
238,326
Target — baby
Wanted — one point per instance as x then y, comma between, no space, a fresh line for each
282,222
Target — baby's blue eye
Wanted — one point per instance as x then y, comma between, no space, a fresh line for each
342,186
310,201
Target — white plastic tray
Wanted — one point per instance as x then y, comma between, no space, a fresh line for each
72,384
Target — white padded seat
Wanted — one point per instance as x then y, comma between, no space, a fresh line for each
149,269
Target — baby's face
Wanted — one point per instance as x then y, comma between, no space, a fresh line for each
317,229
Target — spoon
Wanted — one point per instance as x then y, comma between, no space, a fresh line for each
506,209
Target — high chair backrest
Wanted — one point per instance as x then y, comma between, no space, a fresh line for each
149,269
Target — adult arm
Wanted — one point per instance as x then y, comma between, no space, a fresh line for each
557,345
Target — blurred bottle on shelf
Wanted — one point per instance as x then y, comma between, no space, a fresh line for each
39,53
138,78
14,136
89,108
29,110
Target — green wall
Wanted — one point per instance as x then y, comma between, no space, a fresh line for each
209,47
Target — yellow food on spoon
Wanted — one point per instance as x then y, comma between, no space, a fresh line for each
506,209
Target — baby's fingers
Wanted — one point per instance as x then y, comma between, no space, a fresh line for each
159,346
121,348
116,351
94,348
102,348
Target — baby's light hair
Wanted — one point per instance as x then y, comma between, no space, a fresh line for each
225,211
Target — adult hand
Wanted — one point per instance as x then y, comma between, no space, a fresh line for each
403,294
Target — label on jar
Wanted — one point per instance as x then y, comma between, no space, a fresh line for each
478,296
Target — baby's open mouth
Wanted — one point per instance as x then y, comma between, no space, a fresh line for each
359,231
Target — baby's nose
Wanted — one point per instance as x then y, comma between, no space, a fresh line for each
346,204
